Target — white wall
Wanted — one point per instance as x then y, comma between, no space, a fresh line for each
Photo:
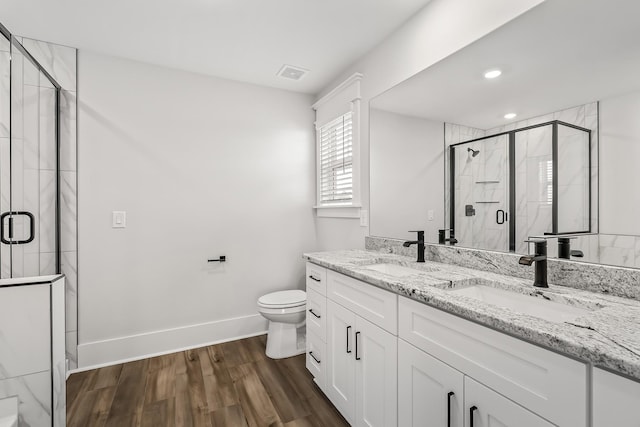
407,154
203,167
440,29
619,172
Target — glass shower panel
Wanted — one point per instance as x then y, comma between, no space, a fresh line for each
533,184
482,193
5,143
573,179
29,202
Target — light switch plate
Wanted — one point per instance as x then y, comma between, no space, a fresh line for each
119,219
364,217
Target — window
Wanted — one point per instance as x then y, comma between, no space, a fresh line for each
336,161
546,179
338,151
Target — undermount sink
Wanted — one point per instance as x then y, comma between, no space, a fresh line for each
525,304
393,269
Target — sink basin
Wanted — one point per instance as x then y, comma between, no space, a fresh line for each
393,269
525,304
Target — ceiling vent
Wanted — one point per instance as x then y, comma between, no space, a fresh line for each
291,72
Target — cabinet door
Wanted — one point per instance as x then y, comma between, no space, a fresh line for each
425,385
340,379
615,400
486,408
376,358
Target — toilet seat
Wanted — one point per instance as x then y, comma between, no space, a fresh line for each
283,299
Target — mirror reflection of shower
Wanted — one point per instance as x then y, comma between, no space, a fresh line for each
515,189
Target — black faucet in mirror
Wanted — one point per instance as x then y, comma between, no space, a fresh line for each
564,249
540,258
419,242
442,237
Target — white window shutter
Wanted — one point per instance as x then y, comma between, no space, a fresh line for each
336,161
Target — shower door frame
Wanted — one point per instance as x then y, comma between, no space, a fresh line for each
14,42
512,178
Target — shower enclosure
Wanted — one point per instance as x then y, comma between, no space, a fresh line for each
508,187
29,164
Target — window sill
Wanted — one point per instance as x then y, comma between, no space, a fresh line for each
351,211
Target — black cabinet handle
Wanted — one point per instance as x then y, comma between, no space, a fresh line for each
449,395
348,349
471,411
312,312
501,216
314,279
357,357
314,358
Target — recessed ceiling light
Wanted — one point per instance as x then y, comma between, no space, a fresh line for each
510,116
492,74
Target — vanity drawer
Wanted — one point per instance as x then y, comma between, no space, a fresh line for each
316,278
546,383
376,305
315,362
316,314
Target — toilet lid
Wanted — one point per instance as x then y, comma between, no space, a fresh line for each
284,298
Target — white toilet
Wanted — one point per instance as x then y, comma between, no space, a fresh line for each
285,311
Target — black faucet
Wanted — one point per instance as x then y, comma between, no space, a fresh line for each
564,249
419,242
441,237
540,258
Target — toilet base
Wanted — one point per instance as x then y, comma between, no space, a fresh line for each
285,340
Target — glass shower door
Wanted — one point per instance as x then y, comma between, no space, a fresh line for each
534,184
28,172
481,179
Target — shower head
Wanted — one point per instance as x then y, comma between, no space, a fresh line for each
473,152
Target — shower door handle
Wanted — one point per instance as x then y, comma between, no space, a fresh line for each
10,241
501,216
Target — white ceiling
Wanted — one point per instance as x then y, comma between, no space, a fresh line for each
561,54
245,40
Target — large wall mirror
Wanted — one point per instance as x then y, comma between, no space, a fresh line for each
446,152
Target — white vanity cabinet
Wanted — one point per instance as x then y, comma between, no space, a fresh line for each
544,384
316,322
429,391
615,400
485,408
358,367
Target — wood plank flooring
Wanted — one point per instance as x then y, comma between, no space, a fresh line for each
230,384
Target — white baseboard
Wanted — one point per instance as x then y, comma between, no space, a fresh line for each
98,354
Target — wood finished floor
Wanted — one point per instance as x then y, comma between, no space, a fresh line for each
230,384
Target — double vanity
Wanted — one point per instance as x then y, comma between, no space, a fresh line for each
394,342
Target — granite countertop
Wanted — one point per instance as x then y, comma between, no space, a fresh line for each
606,333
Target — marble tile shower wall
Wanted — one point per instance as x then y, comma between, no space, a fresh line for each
532,207
610,249
454,134
532,210
60,62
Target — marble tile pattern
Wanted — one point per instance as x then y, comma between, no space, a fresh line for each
61,63
34,400
533,150
607,336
